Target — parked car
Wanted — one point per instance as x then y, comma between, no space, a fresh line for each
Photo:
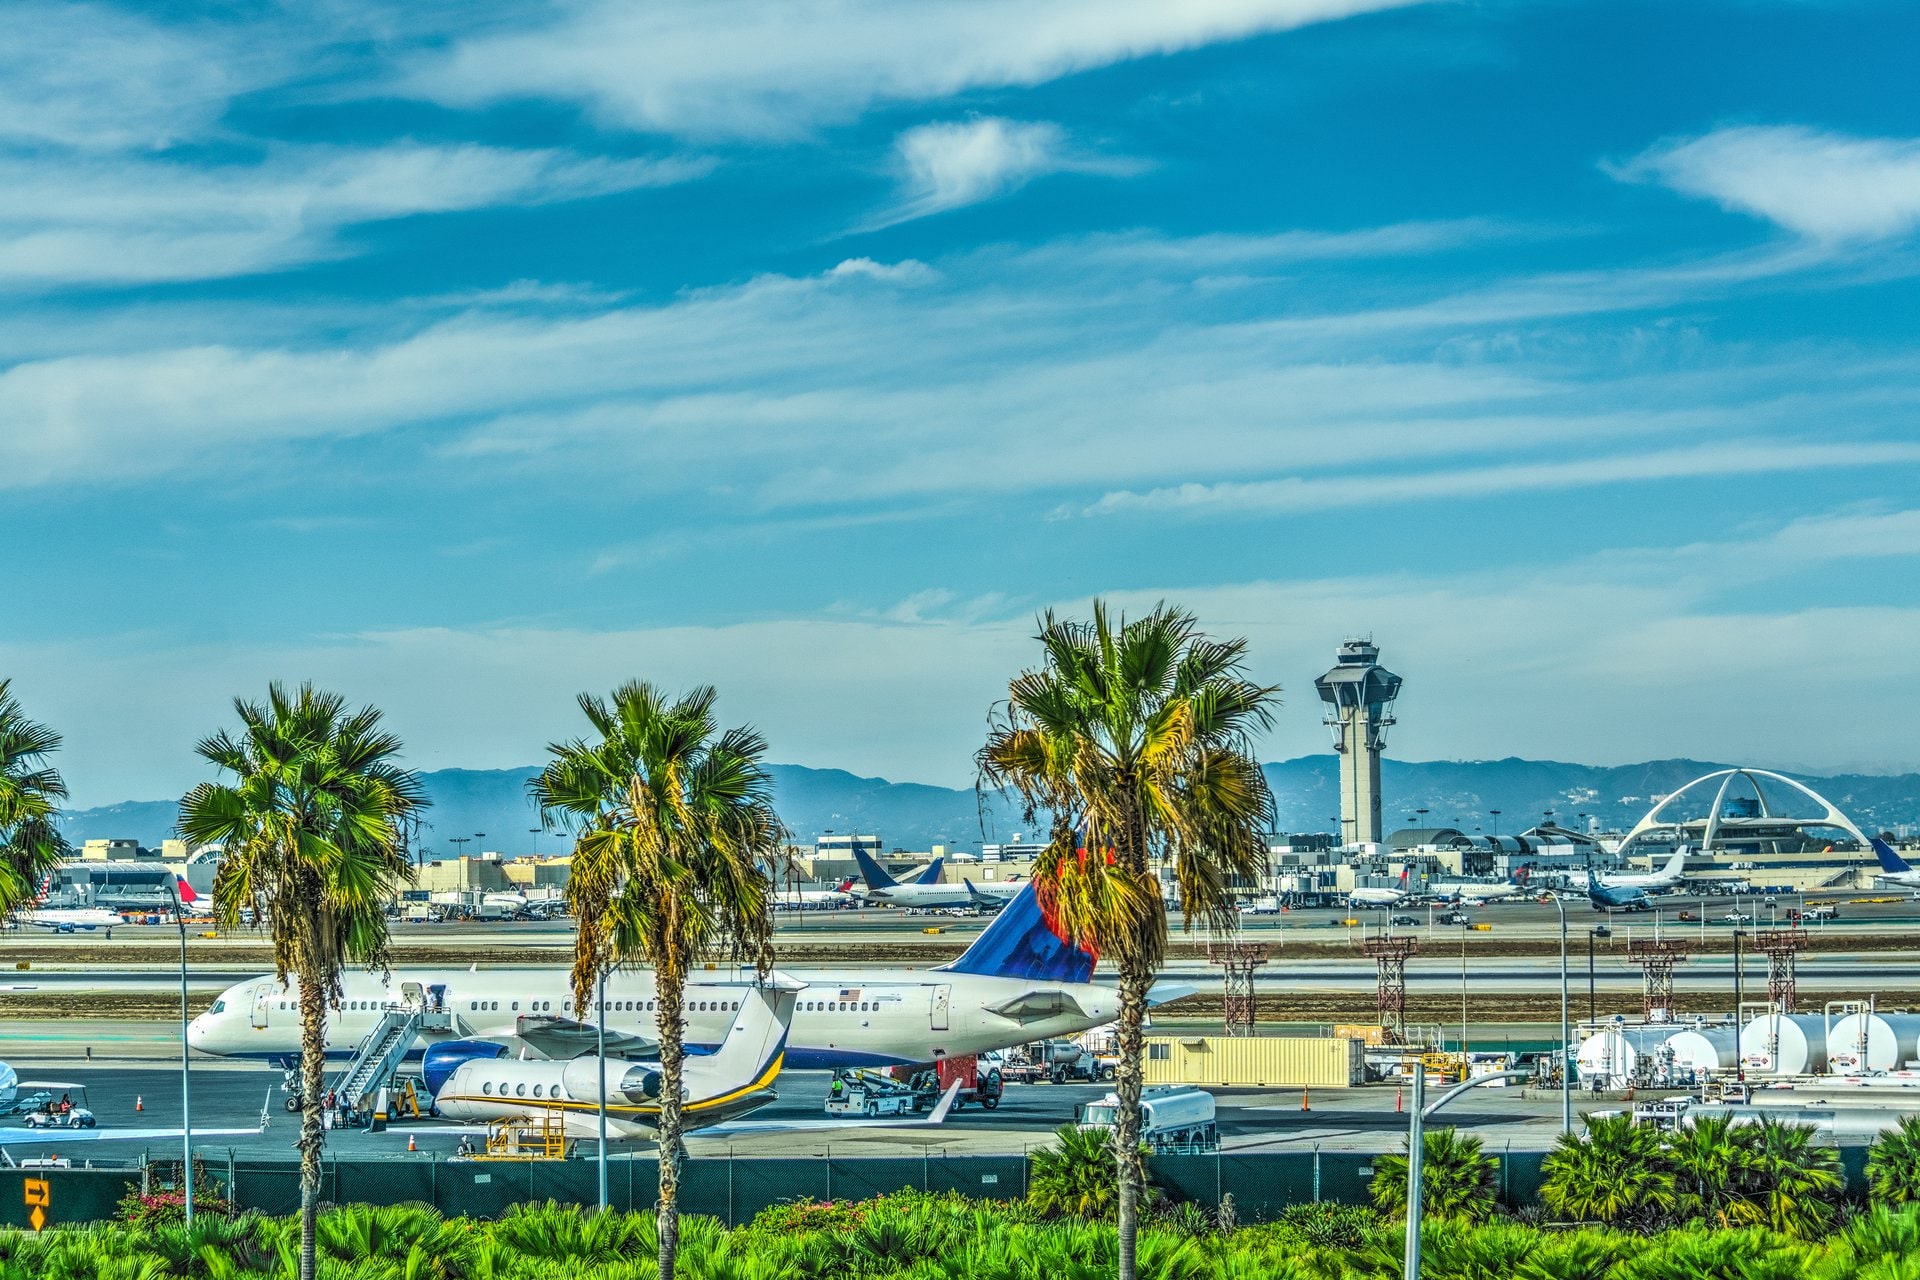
1406,921
1737,917
1688,916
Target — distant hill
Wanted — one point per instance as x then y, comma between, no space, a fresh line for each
913,815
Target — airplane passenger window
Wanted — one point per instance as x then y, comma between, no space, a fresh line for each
516,1006
472,1005
487,1088
520,1090
536,1091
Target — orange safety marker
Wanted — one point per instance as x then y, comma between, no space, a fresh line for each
1305,1099
1400,1101
410,1145
138,1105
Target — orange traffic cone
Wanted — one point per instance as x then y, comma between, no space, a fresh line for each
137,1104
1305,1099
410,1145
1399,1102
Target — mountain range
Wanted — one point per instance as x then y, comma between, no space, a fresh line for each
488,808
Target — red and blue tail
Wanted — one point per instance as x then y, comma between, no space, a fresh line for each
1019,944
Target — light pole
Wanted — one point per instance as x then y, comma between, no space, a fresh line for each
1739,1058
1496,822
1591,933
600,1028
1463,999
186,1092
1416,1152
1566,1036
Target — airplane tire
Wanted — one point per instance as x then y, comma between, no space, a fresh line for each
293,1103
1107,1073
992,1103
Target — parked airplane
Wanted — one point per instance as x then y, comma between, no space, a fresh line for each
814,899
926,891
474,1080
1603,898
1017,983
69,919
1894,869
1373,896
1665,878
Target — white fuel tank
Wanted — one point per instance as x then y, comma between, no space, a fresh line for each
1871,1043
1784,1044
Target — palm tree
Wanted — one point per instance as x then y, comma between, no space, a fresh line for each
312,817
30,792
1797,1185
674,826
1709,1161
1893,1164
1615,1171
1456,1180
1135,739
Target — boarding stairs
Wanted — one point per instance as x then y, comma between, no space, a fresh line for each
380,1054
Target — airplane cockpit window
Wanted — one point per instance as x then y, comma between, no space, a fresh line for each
219,1006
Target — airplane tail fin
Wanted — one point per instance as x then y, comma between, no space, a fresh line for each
932,874
1677,864
756,1043
1018,944
845,886
870,871
1890,862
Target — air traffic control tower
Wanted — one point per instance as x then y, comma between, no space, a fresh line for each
1359,694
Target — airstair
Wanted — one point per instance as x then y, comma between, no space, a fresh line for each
380,1054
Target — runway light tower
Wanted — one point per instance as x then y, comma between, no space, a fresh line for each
1359,694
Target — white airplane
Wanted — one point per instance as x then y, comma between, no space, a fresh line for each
1374,896
815,899
71,919
1017,983
927,891
723,1085
1473,892
1665,878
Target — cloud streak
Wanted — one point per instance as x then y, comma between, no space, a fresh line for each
128,219
783,68
950,166
1826,187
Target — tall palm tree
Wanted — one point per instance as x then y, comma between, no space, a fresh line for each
30,792
1797,1184
1135,738
311,811
674,826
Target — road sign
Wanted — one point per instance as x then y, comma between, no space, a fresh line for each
39,1194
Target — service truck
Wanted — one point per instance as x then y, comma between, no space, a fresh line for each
1174,1118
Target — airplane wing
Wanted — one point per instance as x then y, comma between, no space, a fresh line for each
1167,992
561,1038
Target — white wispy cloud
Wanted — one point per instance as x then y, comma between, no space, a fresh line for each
951,165
98,77
781,68
1293,494
128,218
1824,186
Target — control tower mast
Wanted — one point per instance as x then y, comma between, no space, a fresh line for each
1359,694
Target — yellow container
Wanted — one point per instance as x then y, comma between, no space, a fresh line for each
1318,1062
934,928
1482,928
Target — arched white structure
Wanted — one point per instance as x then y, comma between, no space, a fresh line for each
1656,820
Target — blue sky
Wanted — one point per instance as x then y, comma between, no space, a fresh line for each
464,357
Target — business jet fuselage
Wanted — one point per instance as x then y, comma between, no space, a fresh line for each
1017,983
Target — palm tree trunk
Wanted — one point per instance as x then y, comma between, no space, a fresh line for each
670,984
313,1053
1134,984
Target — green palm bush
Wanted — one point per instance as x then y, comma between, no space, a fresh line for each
1883,1242
1614,1172
1749,1254
1893,1164
1457,1181
1796,1184
1710,1163
1078,1175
